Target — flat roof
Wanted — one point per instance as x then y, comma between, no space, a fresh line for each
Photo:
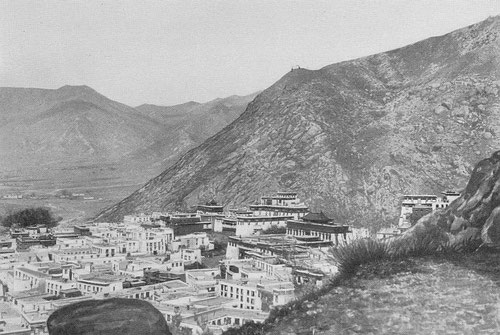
102,278
292,206
7,251
422,206
37,316
251,282
7,310
241,313
29,294
11,329
264,217
214,301
105,245
175,284
60,280
33,272
68,301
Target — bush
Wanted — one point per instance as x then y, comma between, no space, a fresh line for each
360,252
420,243
30,217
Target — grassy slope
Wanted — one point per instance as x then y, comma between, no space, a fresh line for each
429,295
408,286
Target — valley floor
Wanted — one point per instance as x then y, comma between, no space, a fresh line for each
451,295
43,188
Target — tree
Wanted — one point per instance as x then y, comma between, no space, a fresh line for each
30,217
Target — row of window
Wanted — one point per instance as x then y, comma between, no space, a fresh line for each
75,257
92,288
73,252
240,298
224,287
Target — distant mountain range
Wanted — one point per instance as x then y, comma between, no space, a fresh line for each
75,125
188,125
352,137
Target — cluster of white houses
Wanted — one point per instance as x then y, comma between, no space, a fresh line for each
150,256
153,257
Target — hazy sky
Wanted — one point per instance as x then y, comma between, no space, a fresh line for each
168,52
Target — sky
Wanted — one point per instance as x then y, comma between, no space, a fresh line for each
170,52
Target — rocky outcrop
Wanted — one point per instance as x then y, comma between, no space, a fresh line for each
115,316
350,138
475,216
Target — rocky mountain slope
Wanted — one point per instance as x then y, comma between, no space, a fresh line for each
75,127
352,137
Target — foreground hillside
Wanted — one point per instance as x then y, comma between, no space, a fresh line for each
454,295
352,137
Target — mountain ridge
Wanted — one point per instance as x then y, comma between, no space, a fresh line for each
73,136
352,137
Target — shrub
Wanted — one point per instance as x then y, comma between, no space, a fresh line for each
420,242
361,251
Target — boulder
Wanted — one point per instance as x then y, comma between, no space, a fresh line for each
423,148
491,89
448,104
460,111
482,100
487,135
458,224
115,316
440,109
